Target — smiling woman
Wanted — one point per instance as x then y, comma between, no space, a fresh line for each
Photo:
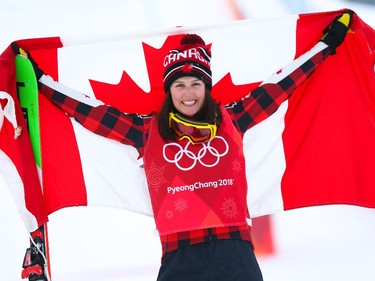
209,222
188,94
188,84
136,242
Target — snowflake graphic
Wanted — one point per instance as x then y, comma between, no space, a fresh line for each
169,214
155,176
237,167
229,208
180,205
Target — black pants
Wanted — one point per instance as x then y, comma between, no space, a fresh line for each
217,260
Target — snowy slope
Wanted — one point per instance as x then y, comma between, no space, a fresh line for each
325,243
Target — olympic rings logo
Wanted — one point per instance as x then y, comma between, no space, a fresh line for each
206,149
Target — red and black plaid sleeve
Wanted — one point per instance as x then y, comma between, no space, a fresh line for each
103,120
266,99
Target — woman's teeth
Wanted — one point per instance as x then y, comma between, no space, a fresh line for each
188,102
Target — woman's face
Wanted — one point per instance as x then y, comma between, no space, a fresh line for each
188,95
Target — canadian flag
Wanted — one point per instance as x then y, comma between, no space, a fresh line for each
17,164
318,148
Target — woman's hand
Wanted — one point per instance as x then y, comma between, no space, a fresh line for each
335,33
19,51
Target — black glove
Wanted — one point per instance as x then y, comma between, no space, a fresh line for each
19,51
335,33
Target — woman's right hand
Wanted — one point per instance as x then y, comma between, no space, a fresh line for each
19,51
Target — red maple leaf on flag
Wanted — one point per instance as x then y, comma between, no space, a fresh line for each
128,97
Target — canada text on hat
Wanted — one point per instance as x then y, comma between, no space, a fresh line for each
191,58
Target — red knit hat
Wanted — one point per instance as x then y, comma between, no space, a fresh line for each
191,58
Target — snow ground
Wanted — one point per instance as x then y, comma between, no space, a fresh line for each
322,243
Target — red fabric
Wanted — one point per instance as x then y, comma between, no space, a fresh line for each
329,130
65,177
19,150
204,187
32,270
60,146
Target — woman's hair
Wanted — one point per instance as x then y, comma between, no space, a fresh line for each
210,113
